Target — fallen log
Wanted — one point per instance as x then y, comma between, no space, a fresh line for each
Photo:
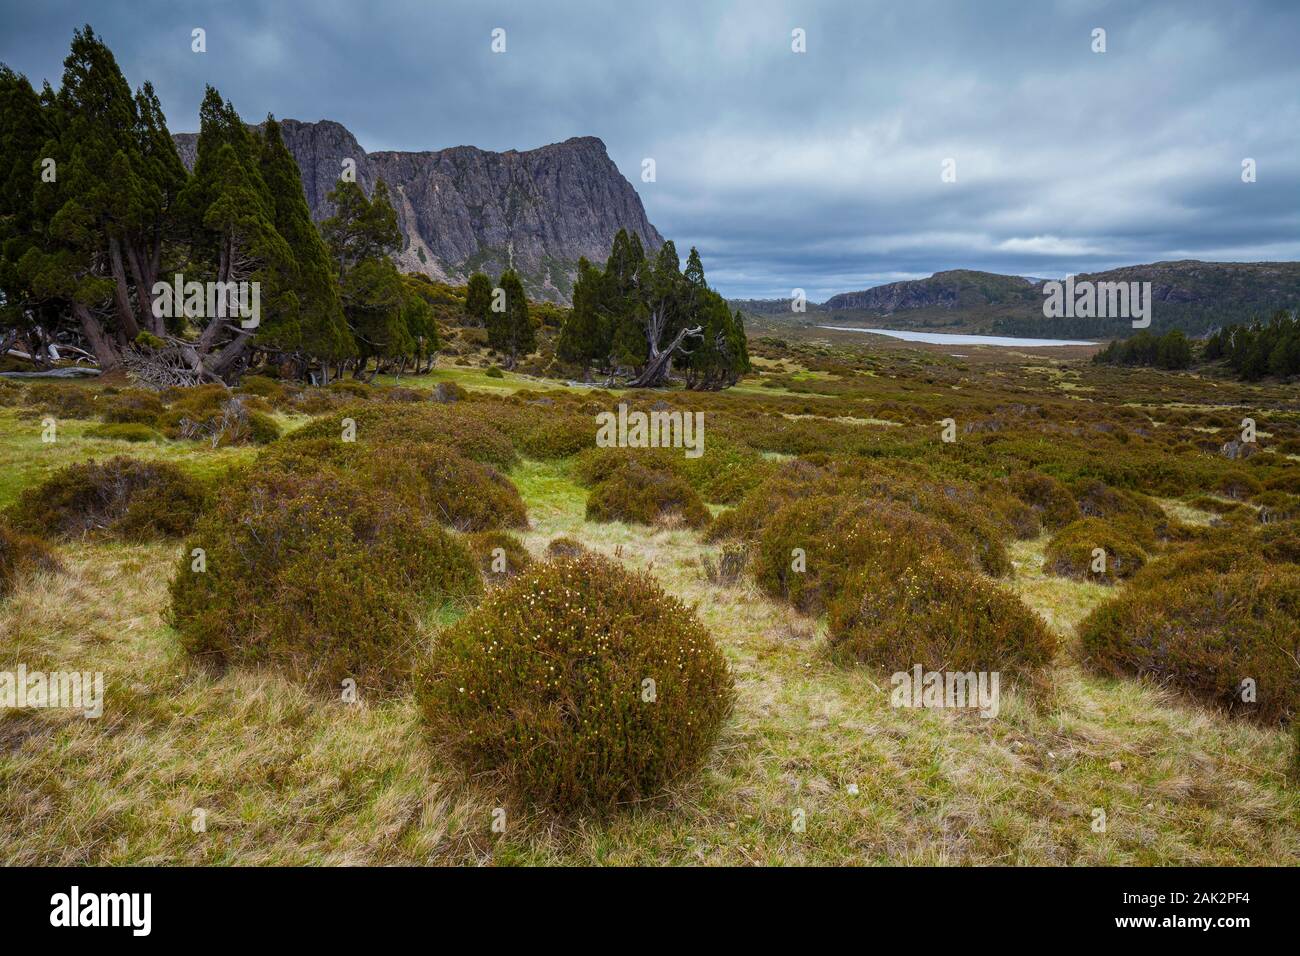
71,371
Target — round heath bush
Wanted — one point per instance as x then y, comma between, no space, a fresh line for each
896,613
1070,552
500,555
1203,633
318,577
581,684
119,498
640,495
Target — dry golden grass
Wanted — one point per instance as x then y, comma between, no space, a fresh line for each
288,778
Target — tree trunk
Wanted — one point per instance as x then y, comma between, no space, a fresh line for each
106,352
121,293
661,362
144,282
225,360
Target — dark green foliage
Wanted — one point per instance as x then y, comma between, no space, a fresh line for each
314,322
1169,351
641,315
118,498
1259,349
478,300
21,555
509,329
318,577
583,686
388,317
90,256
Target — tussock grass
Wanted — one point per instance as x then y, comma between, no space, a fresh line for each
287,776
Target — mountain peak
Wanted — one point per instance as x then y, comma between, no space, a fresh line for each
463,209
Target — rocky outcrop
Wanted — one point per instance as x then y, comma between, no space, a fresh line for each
465,209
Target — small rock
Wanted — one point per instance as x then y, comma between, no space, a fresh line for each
1116,766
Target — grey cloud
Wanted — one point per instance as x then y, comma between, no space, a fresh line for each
818,170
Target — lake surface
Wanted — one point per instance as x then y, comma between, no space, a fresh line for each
954,338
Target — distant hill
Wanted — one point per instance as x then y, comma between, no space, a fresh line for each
465,209
1188,294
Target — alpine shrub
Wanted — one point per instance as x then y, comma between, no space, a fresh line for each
582,685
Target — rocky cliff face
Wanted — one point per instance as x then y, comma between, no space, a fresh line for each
465,209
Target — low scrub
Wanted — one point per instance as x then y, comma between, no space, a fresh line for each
899,613
381,423
565,547
1205,633
21,555
63,401
636,494
132,406
119,498
1072,551
501,556
1055,505
124,431
213,414
316,576
811,547
581,685
435,479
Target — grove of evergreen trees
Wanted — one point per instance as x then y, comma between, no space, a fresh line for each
1259,349
1173,350
96,208
638,316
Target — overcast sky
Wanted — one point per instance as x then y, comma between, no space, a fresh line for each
819,170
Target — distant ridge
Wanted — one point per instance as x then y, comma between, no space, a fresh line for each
1189,294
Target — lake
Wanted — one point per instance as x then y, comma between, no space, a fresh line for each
953,338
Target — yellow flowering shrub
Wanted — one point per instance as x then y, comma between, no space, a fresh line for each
580,684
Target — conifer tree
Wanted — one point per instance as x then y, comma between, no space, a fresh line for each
478,300
360,236
319,327
510,330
